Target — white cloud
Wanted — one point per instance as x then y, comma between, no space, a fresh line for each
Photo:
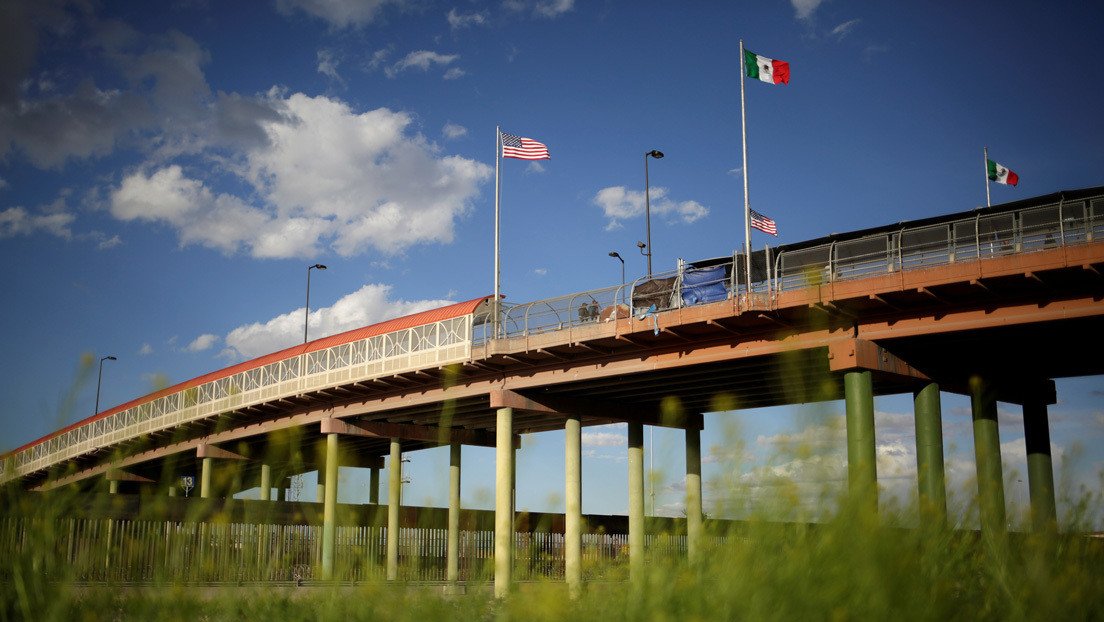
455,73
619,203
845,28
327,64
145,349
18,221
421,59
457,21
203,342
540,8
339,13
804,9
364,307
452,130
604,439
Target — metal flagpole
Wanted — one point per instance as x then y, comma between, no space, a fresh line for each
498,158
987,203
747,205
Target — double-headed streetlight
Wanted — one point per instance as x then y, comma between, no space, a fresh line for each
306,314
648,209
99,381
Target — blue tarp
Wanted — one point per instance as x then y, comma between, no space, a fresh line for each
701,285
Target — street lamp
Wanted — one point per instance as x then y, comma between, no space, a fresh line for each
100,380
648,206
306,314
614,254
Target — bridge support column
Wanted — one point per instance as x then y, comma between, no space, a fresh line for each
504,515
266,482
693,495
329,507
862,469
930,474
987,455
205,478
112,487
1040,468
394,496
373,486
636,502
281,492
452,563
573,510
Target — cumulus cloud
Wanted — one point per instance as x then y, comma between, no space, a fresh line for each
420,59
604,439
339,13
202,342
452,130
619,203
327,64
368,305
16,221
540,8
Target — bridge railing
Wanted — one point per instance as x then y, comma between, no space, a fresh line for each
981,236
437,343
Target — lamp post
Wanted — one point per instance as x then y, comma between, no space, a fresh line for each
99,381
648,206
614,254
306,314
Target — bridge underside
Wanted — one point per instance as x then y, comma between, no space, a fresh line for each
1019,320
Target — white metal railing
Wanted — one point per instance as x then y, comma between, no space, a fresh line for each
978,237
436,343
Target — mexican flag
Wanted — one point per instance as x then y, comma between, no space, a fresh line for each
1000,174
766,69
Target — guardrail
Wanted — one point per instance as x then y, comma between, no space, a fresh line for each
982,236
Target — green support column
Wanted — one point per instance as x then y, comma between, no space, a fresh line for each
112,487
281,493
266,482
329,508
452,563
987,455
205,478
1040,467
172,491
504,515
930,474
636,501
373,486
394,492
693,495
573,510
862,465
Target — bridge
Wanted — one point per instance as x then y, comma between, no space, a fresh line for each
993,303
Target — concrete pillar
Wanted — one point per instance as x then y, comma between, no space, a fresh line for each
281,492
930,474
636,501
205,478
112,486
452,562
504,515
373,486
987,455
329,508
862,465
173,491
573,511
266,482
394,492
1040,467
693,495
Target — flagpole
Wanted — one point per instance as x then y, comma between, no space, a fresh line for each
498,158
747,205
987,203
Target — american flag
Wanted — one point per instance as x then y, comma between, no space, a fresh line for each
764,224
523,148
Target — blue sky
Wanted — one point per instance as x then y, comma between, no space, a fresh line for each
168,170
